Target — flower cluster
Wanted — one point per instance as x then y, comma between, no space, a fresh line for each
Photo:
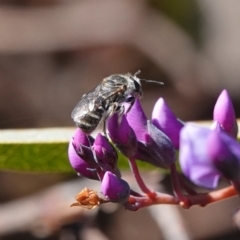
97,159
205,155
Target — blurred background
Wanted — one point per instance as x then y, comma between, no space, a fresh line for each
54,51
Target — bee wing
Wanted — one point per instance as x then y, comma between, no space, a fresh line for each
94,99
86,103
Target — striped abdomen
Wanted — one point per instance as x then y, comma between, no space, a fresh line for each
89,122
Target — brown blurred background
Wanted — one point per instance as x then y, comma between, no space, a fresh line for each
54,51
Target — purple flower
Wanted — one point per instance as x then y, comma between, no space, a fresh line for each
225,115
105,153
80,156
224,152
153,145
138,121
194,160
82,145
165,120
122,135
114,188
157,149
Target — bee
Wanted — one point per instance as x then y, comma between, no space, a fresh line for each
106,99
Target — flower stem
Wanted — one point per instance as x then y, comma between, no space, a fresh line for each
134,203
176,184
211,197
135,171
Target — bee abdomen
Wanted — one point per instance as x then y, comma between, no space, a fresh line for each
90,121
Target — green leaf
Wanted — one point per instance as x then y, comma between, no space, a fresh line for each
35,150
44,150
41,150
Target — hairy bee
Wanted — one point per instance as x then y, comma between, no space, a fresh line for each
105,99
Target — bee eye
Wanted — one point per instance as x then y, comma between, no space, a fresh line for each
137,86
129,99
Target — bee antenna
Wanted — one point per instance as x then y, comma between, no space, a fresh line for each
152,81
145,80
137,73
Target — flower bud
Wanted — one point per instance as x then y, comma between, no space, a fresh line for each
105,153
81,143
138,121
79,165
114,188
154,146
122,135
165,120
225,115
157,148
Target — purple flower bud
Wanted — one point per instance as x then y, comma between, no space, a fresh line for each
122,134
224,151
81,139
154,146
82,147
157,149
114,188
138,121
164,119
105,153
80,155
193,156
225,115
78,164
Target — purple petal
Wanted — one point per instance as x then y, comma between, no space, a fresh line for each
105,153
79,165
138,120
164,119
193,156
81,143
114,188
122,134
80,138
157,150
224,113
225,154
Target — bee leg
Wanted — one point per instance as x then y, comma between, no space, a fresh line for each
120,114
120,110
131,101
111,110
90,141
109,113
104,127
115,108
